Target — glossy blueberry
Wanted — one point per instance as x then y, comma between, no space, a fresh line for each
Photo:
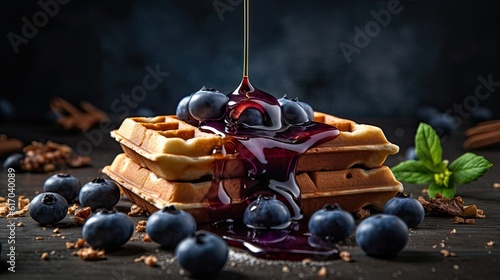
410,154
332,223
202,253
407,208
64,184
169,226
267,212
208,104
309,110
13,161
183,114
48,208
382,235
107,229
99,193
293,113
251,117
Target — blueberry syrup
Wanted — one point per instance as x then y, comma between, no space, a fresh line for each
269,153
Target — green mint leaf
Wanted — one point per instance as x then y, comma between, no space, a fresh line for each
469,167
449,192
435,189
413,172
428,148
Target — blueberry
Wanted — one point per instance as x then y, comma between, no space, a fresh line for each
382,235
407,208
208,104
444,124
107,229
251,117
481,114
13,161
183,112
48,208
267,212
332,223
309,110
410,154
64,184
169,226
99,193
293,113
202,253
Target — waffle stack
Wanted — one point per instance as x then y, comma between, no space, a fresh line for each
167,161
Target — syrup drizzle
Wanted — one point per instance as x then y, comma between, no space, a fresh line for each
269,153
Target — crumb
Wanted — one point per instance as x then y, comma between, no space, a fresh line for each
81,215
306,261
470,221
89,254
76,245
141,226
434,246
38,238
4,209
20,224
363,213
2,199
490,243
22,202
150,261
140,259
456,267
446,253
496,185
56,230
453,231
72,209
45,256
232,264
135,210
424,191
146,238
322,272
285,269
345,256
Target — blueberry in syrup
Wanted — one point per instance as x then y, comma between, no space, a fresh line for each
99,193
266,212
293,112
332,223
13,161
202,254
207,104
251,117
309,110
64,184
169,226
48,208
182,111
409,209
382,235
107,229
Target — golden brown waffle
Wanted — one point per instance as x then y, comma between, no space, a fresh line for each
177,151
352,188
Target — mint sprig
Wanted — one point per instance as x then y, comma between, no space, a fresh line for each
431,169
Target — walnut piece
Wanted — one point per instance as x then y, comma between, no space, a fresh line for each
450,207
89,254
82,214
141,226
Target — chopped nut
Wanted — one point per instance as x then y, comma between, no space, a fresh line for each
81,215
22,202
140,259
45,256
141,226
322,272
75,245
72,209
453,231
470,221
285,269
89,254
38,238
146,238
56,230
20,224
232,264
2,199
135,210
70,245
306,261
150,261
345,256
490,243
496,185
452,207
363,213
447,253
40,157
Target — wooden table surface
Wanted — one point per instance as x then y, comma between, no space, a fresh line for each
421,258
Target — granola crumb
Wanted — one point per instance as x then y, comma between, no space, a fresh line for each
56,230
490,243
20,224
141,226
150,261
146,238
345,256
322,272
45,256
72,209
135,210
38,238
89,254
75,245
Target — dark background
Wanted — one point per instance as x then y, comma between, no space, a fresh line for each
431,53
